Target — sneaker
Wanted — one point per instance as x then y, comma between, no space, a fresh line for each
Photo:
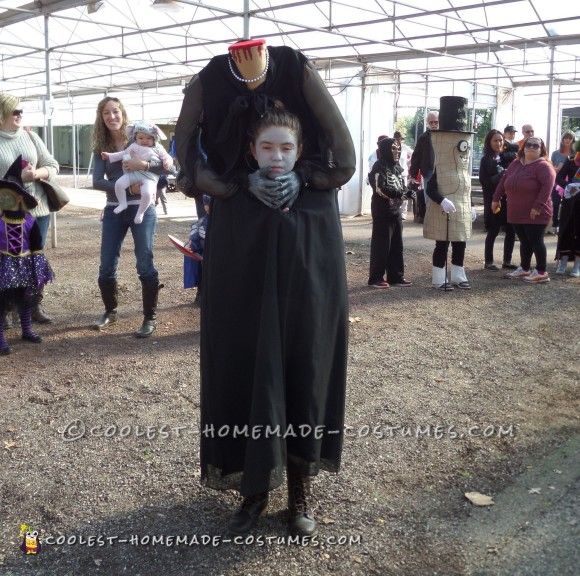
537,277
508,266
404,283
380,284
561,269
491,266
519,272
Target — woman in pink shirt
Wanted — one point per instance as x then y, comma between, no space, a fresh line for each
527,184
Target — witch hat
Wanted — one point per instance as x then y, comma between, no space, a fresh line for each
12,183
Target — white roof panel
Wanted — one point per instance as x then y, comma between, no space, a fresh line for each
128,42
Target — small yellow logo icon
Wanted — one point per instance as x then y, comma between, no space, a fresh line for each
30,540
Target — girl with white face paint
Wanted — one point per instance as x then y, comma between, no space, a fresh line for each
277,148
276,144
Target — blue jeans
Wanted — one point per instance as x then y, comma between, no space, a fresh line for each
115,227
43,223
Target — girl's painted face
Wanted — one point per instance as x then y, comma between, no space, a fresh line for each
144,139
496,143
276,147
112,116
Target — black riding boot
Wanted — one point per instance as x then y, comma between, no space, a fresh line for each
300,518
39,316
109,295
150,289
248,513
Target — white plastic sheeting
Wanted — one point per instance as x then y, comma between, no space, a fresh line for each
412,52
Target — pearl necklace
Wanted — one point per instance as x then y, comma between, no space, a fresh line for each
250,80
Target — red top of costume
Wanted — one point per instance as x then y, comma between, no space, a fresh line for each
246,44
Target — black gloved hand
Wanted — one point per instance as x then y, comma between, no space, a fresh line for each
411,194
279,192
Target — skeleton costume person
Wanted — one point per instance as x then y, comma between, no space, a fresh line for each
449,216
24,270
274,320
389,192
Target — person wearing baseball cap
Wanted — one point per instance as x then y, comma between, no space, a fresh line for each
510,148
509,132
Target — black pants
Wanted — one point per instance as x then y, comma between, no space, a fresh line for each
556,201
508,243
15,298
440,253
386,244
532,242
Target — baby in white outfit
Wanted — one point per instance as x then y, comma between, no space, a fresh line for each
144,147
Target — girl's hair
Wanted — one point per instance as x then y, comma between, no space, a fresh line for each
487,142
8,104
567,134
277,116
543,150
102,137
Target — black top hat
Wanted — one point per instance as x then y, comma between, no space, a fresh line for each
453,114
13,181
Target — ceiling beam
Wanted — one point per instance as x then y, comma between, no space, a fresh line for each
557,81
350,60
35,9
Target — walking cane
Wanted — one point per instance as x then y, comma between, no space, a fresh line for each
447,287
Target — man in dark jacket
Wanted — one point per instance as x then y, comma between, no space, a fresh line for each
423,157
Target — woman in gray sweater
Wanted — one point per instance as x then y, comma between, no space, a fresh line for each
38,164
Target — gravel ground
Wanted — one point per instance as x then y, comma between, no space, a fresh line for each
502,355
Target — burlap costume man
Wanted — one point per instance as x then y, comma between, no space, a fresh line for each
449,216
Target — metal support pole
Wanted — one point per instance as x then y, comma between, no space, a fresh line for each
246,19
473,117
426,99
48,120
74,143
550,93
362,164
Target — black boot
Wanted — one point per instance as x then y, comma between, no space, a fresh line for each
109,295
150,289
39,316
247,515
300,518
